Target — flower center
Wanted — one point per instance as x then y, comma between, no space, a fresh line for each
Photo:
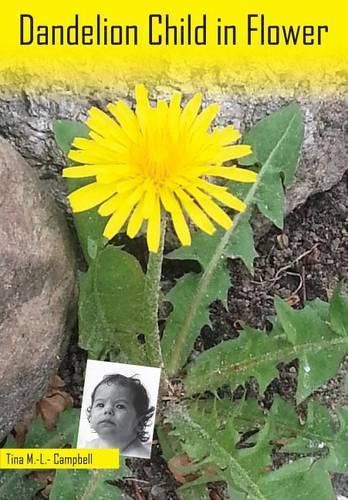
159,158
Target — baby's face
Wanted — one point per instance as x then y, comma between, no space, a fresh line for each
113,415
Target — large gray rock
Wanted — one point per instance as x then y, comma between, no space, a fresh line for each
37,282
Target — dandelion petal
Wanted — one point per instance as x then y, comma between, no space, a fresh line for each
154,226
90,196
136,220
195,213
211,208
233,173
172,206
233,152
225,136
117,220
221,194
80,172
205,118
111,205
190,111
126,118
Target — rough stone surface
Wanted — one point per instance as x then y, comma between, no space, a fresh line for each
37,276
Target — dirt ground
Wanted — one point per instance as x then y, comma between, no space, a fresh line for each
301,263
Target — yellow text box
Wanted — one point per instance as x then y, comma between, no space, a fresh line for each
244,36
54,458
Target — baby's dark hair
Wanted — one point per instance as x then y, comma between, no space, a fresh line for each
141,401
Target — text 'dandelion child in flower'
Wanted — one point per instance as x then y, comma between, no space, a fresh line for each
155,160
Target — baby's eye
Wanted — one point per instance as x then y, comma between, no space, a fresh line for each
99,405
120,406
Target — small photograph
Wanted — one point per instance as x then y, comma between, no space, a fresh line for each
118,407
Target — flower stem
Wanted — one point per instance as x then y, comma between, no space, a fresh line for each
151,303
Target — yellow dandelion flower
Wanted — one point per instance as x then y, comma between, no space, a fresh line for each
153,160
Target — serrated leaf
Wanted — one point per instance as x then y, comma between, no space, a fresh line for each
235,494
233,362
95,335
242,244
171,447
190,309
324,348
88,484
62,435
278,154
270,199
320,307
320,433
204,246
119,288
84,484
290,320
339,312
16,484
208,441
315,435
300,480
193,492
297,437
89,224
337,459
283,129
304,336
89,227
110,300
247,414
